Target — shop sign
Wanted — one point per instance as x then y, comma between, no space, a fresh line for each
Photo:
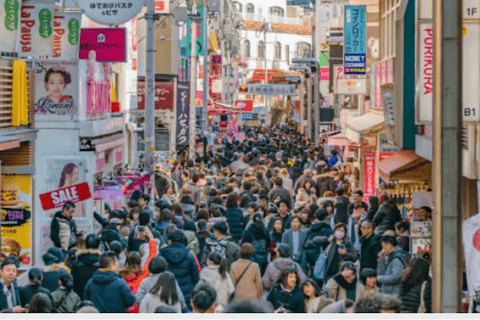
355,38
118,156
108,193
54,104
100,161
369,174
98,97
111,12
471,9
183,113
249,116
200,30
109,44
385,146
57,198
389,112
164,93
384,155
36,29
162,6
272,89
66,34
9,18
425,74
246,105
351,86
16,214
470,75
378,86
389,65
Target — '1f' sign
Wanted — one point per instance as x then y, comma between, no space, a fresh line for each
471,9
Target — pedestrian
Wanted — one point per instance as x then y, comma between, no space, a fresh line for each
345,284
107,289
202,234
163,293
35,275
416,288
373,202
283,213
203,298
357,200
370,246
144,203
54,267
9,292
402,229
325,182
387,215
222,243
65,300
287,296
342,306
259,237
83,268
246,276
192,241
193,188
63,230
279,190
315,300
234,217
368,277
163,220
40,303
277,230
217,276
137,236
295,239
392,261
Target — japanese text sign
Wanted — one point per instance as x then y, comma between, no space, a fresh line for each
355,53
57,198
9,18
246,105
164,92
183,113
108,43
111,12
369,174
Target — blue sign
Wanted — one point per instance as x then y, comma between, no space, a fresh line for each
183,113
247,116
355,40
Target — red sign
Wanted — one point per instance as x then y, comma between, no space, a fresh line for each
135,34
369,174
164,92
57,198
108,43
325,73
384,155
246,105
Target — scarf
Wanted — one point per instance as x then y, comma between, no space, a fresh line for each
344,283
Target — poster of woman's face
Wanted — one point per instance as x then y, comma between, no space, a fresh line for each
56,91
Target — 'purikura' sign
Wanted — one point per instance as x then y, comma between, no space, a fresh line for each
57,198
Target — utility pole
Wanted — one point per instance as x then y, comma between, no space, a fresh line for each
150,94
205,69
265,27
309,104
193,82
302,101
316,52
447,156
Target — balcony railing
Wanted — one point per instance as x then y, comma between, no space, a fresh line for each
276,19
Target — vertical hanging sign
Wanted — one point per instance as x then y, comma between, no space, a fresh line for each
200,31
66,34
355,51
369,174
183,113
9,18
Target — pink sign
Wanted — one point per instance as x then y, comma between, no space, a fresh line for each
390,71
378,91
100,163
98,97
118,156
369,174
108,43
325,74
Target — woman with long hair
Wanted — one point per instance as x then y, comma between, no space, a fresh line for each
258,236
170,196
217,276
65,299
40,303
35,277
373,204
276,233
163,293
416,289
234,217
315,300
287,296
70,176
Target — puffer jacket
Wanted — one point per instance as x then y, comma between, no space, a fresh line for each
411,297
66,301
324,183
334,263
51,274
192,241
83,268
390,269
293,301
223,287
275,269
235,223
318,229
386,217
182,264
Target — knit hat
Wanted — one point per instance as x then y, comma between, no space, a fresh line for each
115,221
53,255
144,218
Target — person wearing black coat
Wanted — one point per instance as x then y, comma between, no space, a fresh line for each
372,208
258,236
35,276
181,263
234,217
287,296
319,228
413,279
371,245
54,267
135,240
8,281
387,215
83,268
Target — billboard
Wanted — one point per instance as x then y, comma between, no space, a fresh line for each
9,18
471,68
56,90
164,94
200,31
355,37
110,44
66,34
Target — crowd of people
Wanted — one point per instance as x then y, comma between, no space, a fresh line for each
269,224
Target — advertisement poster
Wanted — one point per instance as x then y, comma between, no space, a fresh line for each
9,18
36,29
56,91
355,51
183,113
66,34
164,93
16,217
369,189
110,44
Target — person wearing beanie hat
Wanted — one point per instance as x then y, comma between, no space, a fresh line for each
54,267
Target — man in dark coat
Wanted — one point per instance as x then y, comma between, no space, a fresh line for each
63,230
107,289
357,199
319,228
9,293
371,246
325,182
86,263
181,263
282,213
279,190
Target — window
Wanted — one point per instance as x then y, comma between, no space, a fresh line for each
250,8
246,49
287,53
261,50
237,6
278,50
277,11
304,50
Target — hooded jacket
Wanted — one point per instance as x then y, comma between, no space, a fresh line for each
109,292
318,229
275,269
390,269
83,268
223,287
235,222
182,264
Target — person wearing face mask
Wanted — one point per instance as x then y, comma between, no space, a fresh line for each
345,284
338,251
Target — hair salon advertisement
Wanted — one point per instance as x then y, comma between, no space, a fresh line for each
56,91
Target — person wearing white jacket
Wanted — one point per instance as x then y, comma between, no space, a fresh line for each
216,275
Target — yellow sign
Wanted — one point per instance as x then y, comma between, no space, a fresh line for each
16,214
213,41
464,31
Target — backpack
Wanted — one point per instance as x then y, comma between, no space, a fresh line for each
220,249
311,250
260,255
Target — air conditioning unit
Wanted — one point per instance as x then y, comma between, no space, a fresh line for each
469,152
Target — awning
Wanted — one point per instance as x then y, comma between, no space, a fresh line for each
357,126
339,140
405,165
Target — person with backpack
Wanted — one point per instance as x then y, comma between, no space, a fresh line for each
65,300
258,236
392,262
319,228
295,239
223,244
234,217
246,276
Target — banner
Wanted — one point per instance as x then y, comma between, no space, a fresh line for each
16,217
369,189
425,74
110,44
355,37
66,35
471,247
57,198
246,105
200,30
36,29
183,113
9,18
56,91
272,89
164,93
